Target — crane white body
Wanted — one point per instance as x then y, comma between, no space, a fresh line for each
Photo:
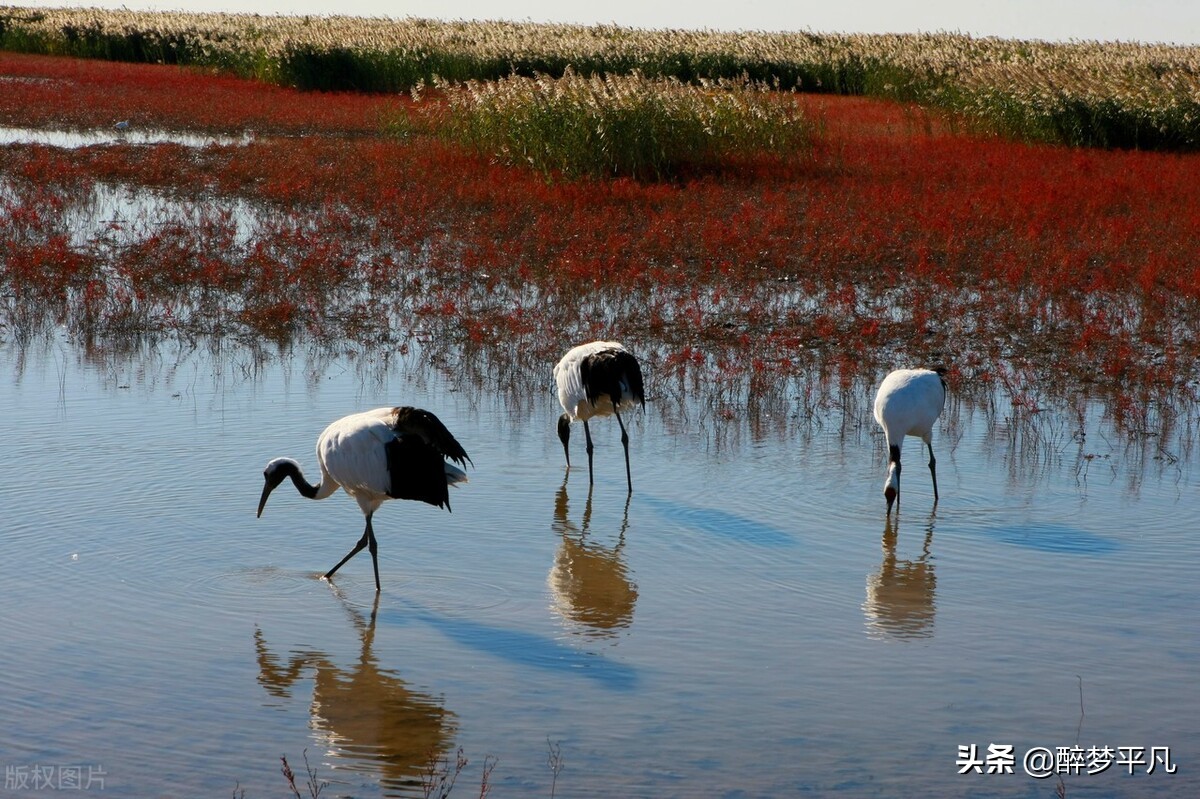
908,403
353,449
374,456
600,378
573,394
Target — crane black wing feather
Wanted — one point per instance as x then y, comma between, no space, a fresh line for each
414,422
602,373
416,471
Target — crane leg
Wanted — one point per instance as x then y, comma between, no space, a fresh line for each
587,433
932,469
625,444
374,548
368,537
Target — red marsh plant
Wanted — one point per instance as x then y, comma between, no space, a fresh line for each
38,91
894,241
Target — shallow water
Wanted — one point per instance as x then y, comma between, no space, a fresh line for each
748,623
74,139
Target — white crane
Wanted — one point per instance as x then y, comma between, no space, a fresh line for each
387,453
597,379
908,403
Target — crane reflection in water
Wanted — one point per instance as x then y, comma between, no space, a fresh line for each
366,717
589,580
901,597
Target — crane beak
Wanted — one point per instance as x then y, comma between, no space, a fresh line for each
268,487
274,478
267,492
889,493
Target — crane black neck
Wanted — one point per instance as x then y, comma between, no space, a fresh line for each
289,468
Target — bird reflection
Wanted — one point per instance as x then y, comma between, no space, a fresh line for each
901,594
589,580
364,714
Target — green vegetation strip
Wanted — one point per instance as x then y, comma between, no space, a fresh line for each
1082,93
622,125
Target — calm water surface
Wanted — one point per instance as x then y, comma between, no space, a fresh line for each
747,624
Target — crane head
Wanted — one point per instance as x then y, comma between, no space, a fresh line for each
891,488
276,472
564,434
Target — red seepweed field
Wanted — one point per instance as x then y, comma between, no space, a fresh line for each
899,239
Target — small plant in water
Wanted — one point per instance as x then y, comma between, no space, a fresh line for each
439,776
314,785
489,763
556,763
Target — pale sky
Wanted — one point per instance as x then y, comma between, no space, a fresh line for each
1173,21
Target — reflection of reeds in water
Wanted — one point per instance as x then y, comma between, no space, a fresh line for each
365,715
589,581
901,599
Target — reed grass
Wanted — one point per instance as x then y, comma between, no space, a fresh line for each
1122,94
622,125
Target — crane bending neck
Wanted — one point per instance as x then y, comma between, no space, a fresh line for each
323,489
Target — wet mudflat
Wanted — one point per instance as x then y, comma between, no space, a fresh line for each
747,623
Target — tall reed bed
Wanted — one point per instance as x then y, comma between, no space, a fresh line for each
1133,95
622,125
1083,97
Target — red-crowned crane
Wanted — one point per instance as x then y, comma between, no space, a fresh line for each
387,453
597,379
908,403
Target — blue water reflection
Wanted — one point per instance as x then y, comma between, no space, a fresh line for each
520,647
718,523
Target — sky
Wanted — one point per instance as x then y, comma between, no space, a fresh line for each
1171,21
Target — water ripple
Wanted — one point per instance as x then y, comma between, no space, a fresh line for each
73,139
